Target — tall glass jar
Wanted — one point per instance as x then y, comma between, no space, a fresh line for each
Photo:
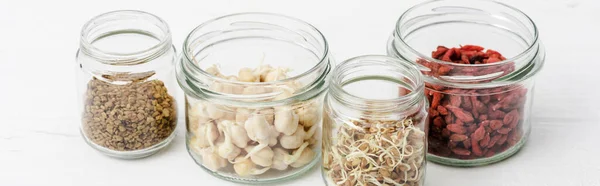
375,123
126,84
254,85
480,110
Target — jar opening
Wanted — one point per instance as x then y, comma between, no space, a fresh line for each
253,41
376,83
257,39
125,37
491,24
425,28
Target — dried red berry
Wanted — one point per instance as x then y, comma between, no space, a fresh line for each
493,141
459,129
504,130
511,118
502,140
455,101
460,114
478,134
475,147
438,122
446,133
458,137
485,141
437,97
467,144
496,124
442,110
461,151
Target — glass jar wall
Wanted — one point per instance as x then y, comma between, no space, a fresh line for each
375,123
254,85
479,59
126,84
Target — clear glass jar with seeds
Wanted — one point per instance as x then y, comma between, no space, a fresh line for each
126,84
371,134
254,85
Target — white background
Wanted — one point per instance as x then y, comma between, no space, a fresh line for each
40,142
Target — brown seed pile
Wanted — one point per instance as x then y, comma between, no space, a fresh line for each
390,155
128,117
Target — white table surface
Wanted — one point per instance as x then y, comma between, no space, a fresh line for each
40,142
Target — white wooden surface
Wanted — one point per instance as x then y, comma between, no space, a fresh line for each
39,137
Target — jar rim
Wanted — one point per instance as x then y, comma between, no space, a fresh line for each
529,49
192,78
356,102
129,58
191,58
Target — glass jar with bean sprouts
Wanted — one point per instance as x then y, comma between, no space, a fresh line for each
374,124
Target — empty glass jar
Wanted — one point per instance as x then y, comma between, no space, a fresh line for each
254,85
479,59
375,123
126,84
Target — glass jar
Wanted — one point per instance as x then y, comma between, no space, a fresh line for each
126,84
480,110
254,85
375,123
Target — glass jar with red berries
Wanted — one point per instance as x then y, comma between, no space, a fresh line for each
479,59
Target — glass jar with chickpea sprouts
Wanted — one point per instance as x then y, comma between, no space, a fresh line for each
254,85
374,124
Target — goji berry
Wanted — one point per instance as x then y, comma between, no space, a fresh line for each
478,134
502,140
438,122
458,137
437,97
452,144
441,50
496,124
446,133
510,117
493,141
467,144
466,104
449,118
484,123
471,128
461,151
485,141
433,112
460,114
473,47
475,147
483,117
442,110
455,101
504,130
459,129
513,138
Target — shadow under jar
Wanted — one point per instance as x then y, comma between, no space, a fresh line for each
254,85
126,84
479,59
372,134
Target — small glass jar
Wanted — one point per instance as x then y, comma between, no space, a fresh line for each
480,101
126,84
254,85
375,123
